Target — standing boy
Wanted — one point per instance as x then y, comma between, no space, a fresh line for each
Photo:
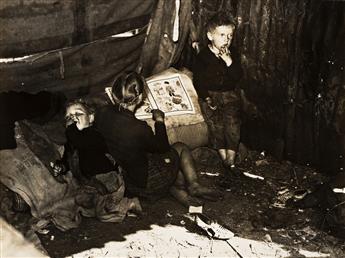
216,74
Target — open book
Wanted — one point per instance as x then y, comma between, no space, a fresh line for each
167,94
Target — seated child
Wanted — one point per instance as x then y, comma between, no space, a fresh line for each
216,76
86,153
82,137
152,167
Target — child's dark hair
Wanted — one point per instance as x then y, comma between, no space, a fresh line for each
220,19
127,87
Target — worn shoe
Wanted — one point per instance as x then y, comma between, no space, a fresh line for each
232,170
212,228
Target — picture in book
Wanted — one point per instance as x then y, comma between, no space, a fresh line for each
167,94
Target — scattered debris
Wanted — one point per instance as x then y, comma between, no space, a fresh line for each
282,196
195,209
253,176
245,199
42,231
211,227
339,190
261,162
209,173
306,253
40,226
283,191
296,178
300,194
268,238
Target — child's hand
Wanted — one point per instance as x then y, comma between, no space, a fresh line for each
158,115
196,46
57,167
224,54
210,104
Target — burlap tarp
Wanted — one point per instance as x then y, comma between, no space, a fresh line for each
50,201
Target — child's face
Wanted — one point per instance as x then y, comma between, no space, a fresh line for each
221,36
78,115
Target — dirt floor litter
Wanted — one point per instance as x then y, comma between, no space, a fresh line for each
253,208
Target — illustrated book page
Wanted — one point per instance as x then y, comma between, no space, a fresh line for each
167,94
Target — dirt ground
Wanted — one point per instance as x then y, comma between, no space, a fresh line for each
252,208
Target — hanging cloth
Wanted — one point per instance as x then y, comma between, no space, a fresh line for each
176,21
168,33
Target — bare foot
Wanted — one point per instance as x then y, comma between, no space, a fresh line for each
184,198
205,192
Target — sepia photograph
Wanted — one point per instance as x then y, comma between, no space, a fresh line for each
172,128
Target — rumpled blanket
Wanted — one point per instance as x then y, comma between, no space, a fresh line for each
61,203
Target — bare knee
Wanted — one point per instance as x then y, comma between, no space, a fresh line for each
180,147
180,180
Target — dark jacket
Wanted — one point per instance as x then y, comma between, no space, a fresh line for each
211,73
129,140
91,149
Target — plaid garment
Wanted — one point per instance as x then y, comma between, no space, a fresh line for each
162,173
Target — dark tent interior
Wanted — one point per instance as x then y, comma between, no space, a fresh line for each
292,56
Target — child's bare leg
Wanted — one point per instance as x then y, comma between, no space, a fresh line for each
230,157
186,164
178,191
222,154
183,197
180,195
189,173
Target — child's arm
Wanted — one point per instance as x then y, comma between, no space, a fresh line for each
61,166
201,82
157,142
210,104
199,78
